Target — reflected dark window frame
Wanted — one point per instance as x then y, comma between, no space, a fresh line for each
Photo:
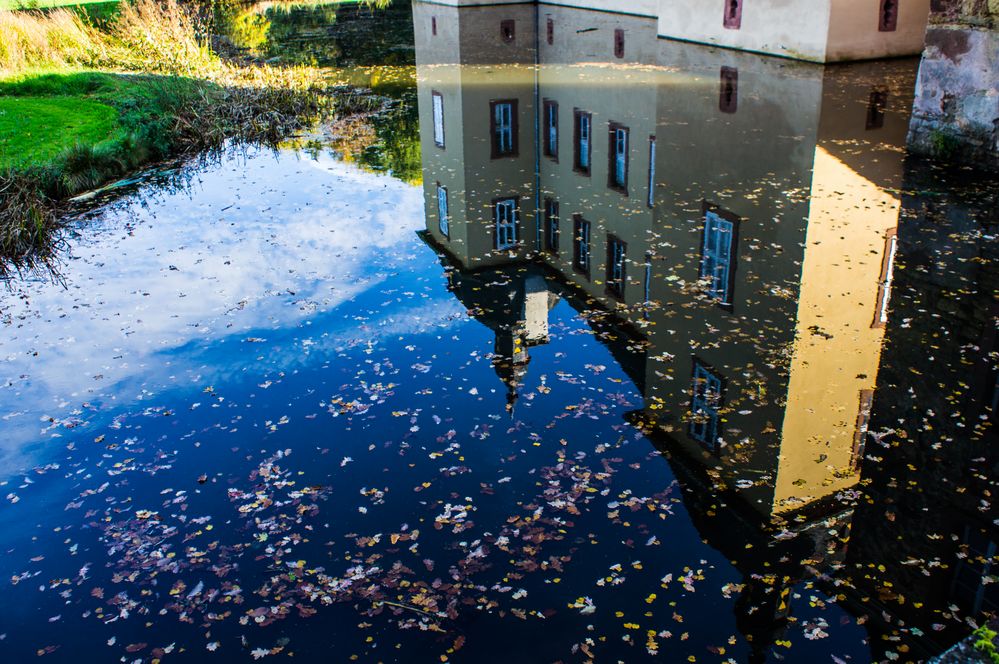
550,129
876,106
705,405
508,30
728,93
551,31
500,228
581,245
552,230
438,118
443,212
582,142
727,301
651,202
860,429
498,151
617,172
886,279
617,274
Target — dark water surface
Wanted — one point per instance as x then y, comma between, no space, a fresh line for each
729,398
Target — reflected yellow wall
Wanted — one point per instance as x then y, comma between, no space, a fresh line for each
838,348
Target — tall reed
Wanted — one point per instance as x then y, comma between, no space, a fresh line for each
159,36
57,38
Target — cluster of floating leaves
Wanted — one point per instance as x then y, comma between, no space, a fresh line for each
163,561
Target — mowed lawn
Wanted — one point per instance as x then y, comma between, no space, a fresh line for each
36,129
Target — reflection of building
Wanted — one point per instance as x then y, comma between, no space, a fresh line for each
733,217
767,200
814,30
715,201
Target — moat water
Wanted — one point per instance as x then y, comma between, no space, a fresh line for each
591,347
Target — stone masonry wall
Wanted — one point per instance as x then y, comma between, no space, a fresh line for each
969,12
956,110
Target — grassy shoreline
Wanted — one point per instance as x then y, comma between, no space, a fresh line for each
81,107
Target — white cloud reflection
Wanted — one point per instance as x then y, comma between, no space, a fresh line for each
263,242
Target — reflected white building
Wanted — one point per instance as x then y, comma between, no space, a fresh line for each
811,30
734,214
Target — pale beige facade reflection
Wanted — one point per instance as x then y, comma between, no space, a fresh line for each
762,375
458,64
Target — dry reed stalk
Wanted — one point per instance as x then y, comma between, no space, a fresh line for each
160,36
58,38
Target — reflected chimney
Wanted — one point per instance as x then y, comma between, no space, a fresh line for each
535,310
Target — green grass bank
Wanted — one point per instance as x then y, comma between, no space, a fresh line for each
82,106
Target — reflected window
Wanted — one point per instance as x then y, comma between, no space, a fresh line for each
616,250
733,14
551,226
551,31
581,245
438,109
652,171
706,393
508,30
507,217
876,109
728,95
433,25
887,276
718,254
504,128
648,283
618,150
551,129
888,18
619,43
582,135
443,221
860,433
